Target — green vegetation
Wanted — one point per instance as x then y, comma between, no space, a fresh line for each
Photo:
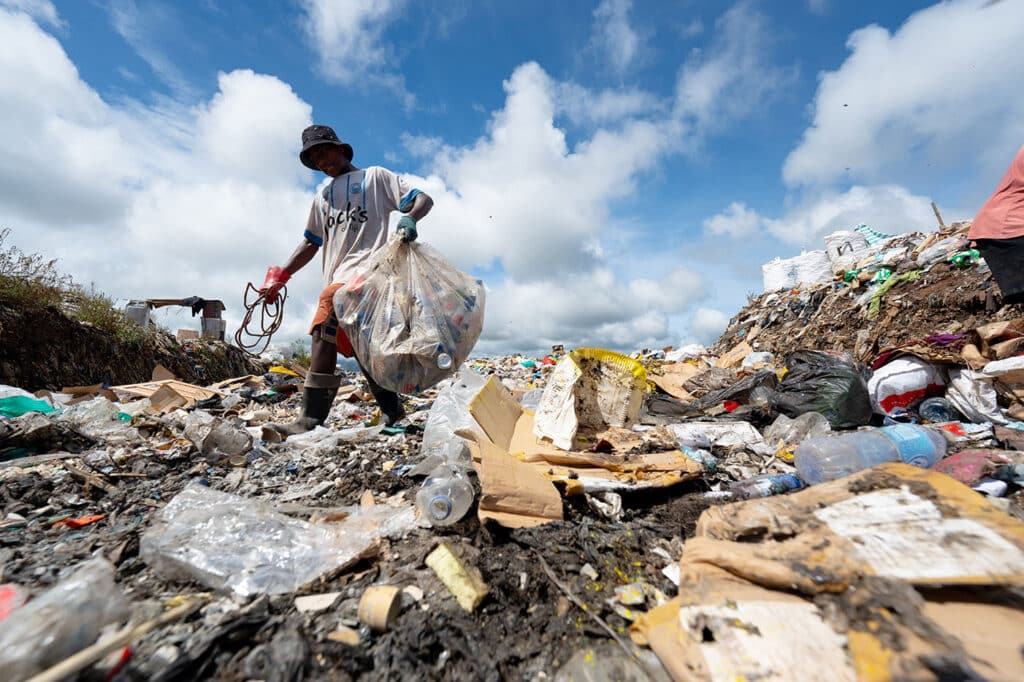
300,353
29,281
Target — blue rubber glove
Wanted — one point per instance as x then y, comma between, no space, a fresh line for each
407,229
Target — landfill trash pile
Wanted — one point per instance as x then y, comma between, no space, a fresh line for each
754,510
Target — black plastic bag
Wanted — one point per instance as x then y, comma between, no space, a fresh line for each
822,382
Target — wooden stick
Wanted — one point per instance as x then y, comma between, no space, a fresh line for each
89,478
942,225
583,607
89,655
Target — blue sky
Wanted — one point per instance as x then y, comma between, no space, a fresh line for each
617,171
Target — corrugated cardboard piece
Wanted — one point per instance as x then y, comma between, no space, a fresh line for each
893,521
723,628
672,378
510,428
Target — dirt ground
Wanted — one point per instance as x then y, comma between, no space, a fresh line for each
525,629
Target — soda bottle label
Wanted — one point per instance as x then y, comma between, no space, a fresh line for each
916,449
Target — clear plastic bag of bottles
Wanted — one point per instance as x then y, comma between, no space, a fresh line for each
411,316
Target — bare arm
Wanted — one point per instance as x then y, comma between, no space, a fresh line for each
421,206
303,253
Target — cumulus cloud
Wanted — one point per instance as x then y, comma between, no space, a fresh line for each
936,92
736,221
148,202
42,11
887,208
707,324
348,38
727,80
198,195
614,38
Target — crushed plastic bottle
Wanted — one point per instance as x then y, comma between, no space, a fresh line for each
938,410
765,485
445,496
62,621
831,457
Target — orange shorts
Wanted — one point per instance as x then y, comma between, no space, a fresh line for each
327,320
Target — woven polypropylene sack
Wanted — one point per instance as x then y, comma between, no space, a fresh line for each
411,316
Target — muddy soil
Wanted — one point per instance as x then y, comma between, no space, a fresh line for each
45,349
525,629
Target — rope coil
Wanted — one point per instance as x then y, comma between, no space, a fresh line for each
270,318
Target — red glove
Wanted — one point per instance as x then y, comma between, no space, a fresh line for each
276,278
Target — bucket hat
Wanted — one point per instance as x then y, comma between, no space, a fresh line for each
316,135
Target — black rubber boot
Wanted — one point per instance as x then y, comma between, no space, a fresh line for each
316,404
390,403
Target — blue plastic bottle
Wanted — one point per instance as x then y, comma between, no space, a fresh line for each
830,457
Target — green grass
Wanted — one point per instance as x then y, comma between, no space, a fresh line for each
31,282
300,353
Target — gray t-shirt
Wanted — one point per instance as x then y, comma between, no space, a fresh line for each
349,218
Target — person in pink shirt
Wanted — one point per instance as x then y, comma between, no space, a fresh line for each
998,231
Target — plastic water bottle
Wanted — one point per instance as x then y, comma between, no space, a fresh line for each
444,361
445,496
938,410
765,485
831,457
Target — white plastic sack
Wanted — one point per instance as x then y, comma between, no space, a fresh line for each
590,387
688,352
974,395
903,382
722,435
810,267
845,249
411,316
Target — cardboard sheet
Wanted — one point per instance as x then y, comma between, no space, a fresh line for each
893,521
514,494
734,357
673,377
190,391
510,428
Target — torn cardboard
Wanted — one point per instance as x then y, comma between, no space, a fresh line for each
513,494
511,429
190,391
893,521
672,378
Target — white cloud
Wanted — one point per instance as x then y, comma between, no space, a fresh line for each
150,202
707,324
348,37
42,11
936,92
613,37
586,107
151,32
692,29
736,221
818,6
197,196
887,208
732,77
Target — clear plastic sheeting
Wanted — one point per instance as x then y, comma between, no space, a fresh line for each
411,316
241,545
60,622
97,419
450,413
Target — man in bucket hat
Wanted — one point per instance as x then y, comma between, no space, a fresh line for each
349,221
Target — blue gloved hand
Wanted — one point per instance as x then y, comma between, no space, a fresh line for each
407,229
